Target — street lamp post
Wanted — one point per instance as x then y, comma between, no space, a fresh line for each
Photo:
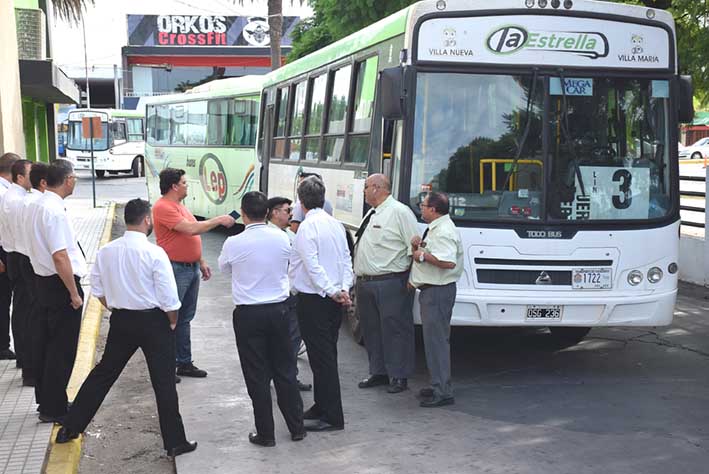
88,106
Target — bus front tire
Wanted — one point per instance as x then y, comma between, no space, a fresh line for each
137,167
568,336
696,156
100,173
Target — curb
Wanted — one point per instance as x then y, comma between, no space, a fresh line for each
64,458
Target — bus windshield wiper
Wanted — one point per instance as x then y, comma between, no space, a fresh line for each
525,133
564,122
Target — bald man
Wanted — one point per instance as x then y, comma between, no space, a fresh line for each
384,303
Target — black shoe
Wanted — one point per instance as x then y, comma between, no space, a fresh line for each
7,354
44,418
304,387
261,441
426,392
397,386
187,447
64,435
298,436
321,425
437,401
374,381
177,379
312,413
28,381
190,370
18,364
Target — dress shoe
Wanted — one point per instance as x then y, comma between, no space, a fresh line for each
186,447
7,354
426,392
374,381
18,364
190,370
312,413
298,436
44,418
304,387
261,441
397,386
437,401
65,435
321,425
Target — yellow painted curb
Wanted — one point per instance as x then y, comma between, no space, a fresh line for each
64,458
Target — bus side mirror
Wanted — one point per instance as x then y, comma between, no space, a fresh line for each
391,88
686,99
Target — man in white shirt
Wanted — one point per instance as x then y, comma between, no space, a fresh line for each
59,264
133,278
6,162
258,262
321,272
10,210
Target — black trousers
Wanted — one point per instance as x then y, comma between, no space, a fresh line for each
130,330
319,319
57,337
20,309
5,300
31,327
264,345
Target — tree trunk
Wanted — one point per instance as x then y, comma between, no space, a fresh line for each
275,25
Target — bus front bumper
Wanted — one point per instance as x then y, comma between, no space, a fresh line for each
476,309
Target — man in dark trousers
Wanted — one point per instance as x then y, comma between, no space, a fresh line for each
258,262
6,162
321,272
59,264
133,278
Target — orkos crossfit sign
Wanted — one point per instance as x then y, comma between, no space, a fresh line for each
204,30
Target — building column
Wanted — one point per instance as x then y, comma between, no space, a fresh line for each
11,139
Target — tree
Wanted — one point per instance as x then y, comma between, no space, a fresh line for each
70,10
275,25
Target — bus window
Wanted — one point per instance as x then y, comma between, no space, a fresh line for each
279,143
118,131
315,117
337,112
218,122
135,129
297,120
363,107
197,123
178,124
244,121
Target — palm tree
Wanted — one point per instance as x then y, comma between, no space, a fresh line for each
70,10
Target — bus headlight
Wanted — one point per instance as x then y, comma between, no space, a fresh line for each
635,277
654,275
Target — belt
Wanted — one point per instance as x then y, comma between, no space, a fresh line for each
386,276
426,286
185,264
151,310
261,305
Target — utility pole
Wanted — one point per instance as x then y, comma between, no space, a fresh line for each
88,106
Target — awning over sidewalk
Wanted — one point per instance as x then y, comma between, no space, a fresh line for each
44,81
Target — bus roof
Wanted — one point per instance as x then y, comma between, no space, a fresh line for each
112,112
233,86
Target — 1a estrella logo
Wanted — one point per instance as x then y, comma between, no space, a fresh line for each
512,38
213,178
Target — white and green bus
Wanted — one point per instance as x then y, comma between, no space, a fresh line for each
119,146
210,132
552,126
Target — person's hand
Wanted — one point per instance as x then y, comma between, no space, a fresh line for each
226,220
76,301
342,297
409,286
2,267
415,242
417,255
173,326
204,268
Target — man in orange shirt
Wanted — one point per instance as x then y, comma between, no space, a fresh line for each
178,233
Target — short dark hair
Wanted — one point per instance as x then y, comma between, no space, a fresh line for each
305,174
7,160
38,173
19,168
168,177
255,205
135,211
275,202
439,202
58,171
311,193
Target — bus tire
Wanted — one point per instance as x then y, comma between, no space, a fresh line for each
100,173
696,156
137,167
568,335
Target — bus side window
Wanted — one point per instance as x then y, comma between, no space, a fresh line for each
118,131
362,111
135,129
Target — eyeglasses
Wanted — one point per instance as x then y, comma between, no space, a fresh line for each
421,205
71,176
287,210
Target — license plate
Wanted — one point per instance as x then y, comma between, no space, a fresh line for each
81,158
551,312
591,279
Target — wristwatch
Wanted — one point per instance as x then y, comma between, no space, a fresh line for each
422,257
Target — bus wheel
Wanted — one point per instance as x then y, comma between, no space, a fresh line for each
100,173
137,167
352,317
568,335
696,156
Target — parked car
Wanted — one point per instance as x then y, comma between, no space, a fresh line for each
697,150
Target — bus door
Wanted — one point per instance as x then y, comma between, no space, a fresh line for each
267,141
391,153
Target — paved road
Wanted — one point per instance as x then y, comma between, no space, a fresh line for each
120,188
622,401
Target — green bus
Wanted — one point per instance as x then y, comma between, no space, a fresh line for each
210,132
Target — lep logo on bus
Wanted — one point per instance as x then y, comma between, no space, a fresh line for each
213,178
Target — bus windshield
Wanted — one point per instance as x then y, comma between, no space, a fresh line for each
76,140
523,147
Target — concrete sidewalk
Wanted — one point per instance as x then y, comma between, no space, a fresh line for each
23,440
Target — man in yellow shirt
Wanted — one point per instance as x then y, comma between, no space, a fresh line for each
384,303
437,265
